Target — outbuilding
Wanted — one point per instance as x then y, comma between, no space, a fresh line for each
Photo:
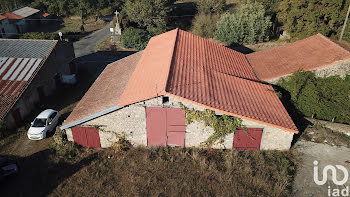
322,55
30,70
141,96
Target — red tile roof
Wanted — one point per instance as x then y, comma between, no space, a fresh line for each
107,89
12,16
151,74
2,17
194,69
308,54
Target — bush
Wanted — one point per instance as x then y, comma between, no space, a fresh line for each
123,144
135,38
3,130
211,6
40,36
203,25
322,98
248,25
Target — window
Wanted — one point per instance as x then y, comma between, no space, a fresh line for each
165,99
52,116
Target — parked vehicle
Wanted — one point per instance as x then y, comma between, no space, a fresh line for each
7,168
45,122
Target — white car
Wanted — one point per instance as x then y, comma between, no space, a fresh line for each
45,122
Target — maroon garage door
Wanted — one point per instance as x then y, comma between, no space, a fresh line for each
86,136
249,140
165,126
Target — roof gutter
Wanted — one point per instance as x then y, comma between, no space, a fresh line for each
88,118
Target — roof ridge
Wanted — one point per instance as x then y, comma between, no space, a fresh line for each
333,42
171,59
235,76
245,56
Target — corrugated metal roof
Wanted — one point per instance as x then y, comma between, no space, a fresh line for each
26,48
205,73
308,54
20,60
25,11
14,75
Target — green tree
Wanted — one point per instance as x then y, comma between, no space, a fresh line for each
247,25
135,38
211,6
303,18
149,14
203,25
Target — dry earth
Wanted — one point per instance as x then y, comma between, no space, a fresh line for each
325,154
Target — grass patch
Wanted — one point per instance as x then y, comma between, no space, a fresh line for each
173,172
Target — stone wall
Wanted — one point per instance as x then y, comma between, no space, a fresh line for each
57,62
131,120
340,68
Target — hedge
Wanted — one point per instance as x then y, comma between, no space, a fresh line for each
322,98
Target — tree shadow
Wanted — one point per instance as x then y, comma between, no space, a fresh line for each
297,116
38,175
183,15
241,48
52,25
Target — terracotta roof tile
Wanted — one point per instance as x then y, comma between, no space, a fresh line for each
12,16
308,54
2,17
207,74
107,89
151,74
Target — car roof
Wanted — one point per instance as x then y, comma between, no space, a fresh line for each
46,113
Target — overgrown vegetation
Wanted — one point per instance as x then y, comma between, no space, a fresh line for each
184,172
203,25
4,132
144,19
40,36
322,98
82,8
135,38
303,18
222,125
319,133
211,6
249,24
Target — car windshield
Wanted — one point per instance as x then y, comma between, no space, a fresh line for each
38,122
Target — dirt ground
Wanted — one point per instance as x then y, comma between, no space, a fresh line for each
325,154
